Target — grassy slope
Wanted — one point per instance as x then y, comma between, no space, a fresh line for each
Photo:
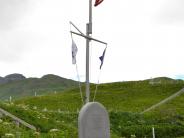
175,106
28,87
117,97
122,96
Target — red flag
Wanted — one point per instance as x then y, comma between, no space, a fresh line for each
97,2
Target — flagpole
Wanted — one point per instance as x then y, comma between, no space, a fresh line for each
88,33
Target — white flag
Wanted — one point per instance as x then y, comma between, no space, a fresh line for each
74,52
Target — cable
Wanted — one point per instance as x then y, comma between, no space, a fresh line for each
80,88
98,82
96,88
78,77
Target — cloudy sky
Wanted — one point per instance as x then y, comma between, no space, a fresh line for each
145,38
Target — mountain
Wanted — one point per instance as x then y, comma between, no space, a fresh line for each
18,86
11,78
1,80
14,77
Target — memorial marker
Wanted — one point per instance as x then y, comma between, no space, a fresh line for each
93,121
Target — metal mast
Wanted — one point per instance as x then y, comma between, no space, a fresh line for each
88,38
88,33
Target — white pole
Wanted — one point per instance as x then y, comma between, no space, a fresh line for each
88,32
153,131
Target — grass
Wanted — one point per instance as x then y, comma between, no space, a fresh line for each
123,96
123,100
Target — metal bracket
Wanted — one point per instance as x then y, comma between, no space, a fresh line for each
89,27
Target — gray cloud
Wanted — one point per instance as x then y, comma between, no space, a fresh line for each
12,46
14,42
11,11
172,11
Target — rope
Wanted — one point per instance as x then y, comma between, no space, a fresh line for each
90,54
98,82
80,88
96,88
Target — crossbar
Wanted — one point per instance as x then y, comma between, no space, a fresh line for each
90,38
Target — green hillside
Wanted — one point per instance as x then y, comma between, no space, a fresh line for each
124,101
28,87
133,96
175,106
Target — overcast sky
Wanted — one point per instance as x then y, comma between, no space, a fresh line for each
145,38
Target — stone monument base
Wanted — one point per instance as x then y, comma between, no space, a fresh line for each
93,121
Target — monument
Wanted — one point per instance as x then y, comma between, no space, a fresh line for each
93,121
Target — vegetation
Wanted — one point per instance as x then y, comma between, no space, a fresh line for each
55,115
135,96
9,129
